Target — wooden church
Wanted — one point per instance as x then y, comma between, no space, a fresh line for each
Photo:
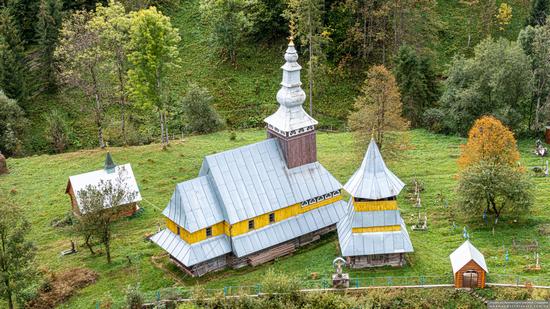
252,204
372,233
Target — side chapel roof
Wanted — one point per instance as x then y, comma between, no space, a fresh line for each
373,180
466,253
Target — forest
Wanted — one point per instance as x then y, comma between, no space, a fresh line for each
84,74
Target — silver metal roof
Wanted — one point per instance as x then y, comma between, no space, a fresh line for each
254,180
291,115
466,253
191,254
376,218
81,181
194,205
373,180
291,228
356,244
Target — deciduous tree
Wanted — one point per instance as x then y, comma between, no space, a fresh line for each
504,15
99,209
489,141
83,64
153,53
378,108
229,24
496,81
494,188
16,254
308,16
112,25
491,178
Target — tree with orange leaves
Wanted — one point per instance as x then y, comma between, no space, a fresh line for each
491,179
490,141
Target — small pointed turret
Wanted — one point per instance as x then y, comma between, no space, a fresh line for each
373,180
109,163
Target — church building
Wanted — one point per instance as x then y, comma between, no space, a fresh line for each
373,233
252,204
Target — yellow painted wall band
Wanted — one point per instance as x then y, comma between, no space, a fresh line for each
373,229
375,205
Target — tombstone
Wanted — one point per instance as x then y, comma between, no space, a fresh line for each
339,279
3,165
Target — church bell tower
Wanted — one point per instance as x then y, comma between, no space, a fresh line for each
290,124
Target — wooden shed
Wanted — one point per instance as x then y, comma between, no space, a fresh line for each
109,173
469,266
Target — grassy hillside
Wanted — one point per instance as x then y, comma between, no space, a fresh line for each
37,184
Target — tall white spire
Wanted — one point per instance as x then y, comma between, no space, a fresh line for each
291,119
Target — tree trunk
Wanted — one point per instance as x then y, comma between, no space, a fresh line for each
98,109
161,128
87,243
107,242
166,136
123,126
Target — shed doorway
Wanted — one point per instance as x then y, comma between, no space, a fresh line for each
469,279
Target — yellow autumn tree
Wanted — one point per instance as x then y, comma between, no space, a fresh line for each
491,180
490,141
504,15
378,109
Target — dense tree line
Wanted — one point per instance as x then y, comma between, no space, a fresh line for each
108,57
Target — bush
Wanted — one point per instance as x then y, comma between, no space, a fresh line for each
434,120
12,125
57,130
134,298
201,117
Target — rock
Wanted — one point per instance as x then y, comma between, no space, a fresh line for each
3,165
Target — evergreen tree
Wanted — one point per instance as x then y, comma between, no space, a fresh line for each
48,26
539,11
416,79
12,63
24,13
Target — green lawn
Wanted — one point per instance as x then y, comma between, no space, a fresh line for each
37,184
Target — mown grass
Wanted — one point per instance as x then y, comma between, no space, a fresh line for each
37,184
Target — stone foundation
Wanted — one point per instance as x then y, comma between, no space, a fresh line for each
378,260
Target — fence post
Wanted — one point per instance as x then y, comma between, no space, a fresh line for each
224,291
158,295
258,289
422,280
356,283
389,281
517,280
97,305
